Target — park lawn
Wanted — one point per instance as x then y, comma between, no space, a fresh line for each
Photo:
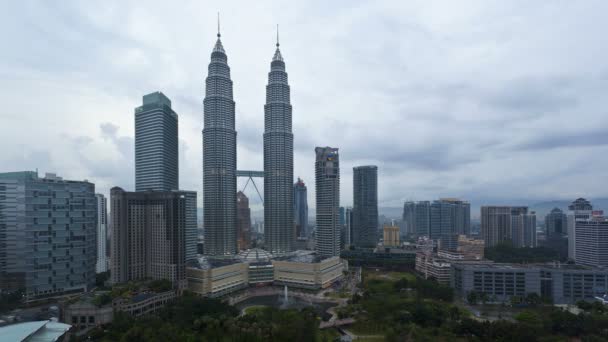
253,310
371,273
328,335
366,329
370,339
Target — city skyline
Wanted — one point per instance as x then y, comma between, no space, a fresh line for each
549,85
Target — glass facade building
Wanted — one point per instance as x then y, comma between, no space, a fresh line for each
300,208
365,206
156,145
48,234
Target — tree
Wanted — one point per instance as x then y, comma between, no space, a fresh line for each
533,298
472,297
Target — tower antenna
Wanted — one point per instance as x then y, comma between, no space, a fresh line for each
218,25
277,35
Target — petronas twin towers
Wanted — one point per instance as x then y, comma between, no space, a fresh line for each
219,159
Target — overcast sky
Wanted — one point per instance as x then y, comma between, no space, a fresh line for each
490,101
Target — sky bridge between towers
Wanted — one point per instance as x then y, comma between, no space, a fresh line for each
250,175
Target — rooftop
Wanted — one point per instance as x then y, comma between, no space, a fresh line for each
37,331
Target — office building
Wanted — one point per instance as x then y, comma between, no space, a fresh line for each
365,206
390,236
156,145
579,210
592,242
423,218
559,283
149,237
279,234
497,223
461,220
219,158
102,233
47,234
442,228
409,217
556,232
327,185
523,230
348,218
300,208
556,223
243,221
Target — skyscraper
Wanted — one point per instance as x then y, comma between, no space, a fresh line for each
365,206
523,229
102,233
497,223
327,185
149,235
349,226
409,217
442,228
556,230
47,234
556,223
243,221
423,218
300,208
219,158
156,144
279,229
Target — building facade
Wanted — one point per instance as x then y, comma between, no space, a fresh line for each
149,235
365,206
579,210
47,234
562,284
102,233
390,236
219,158
409,217
243,221
423,218
523,230
592,242
327,184
156,145
300,208
498,222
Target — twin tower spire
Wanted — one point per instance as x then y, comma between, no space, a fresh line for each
220,156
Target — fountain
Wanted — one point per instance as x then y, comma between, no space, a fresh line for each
285,303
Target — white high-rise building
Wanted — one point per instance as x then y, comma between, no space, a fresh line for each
102,233
579,210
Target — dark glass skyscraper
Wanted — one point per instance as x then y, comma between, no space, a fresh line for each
219,158
365,206
300,208
156,144
279,229
327,185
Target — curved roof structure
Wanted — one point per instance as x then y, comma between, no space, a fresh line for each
254,255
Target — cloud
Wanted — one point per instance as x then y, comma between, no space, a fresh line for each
484,100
